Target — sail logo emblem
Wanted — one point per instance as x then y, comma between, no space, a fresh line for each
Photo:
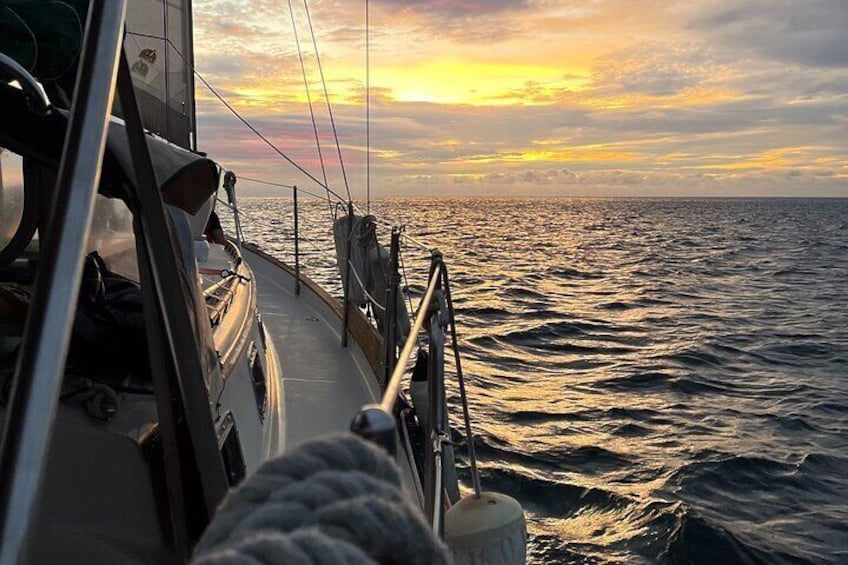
148,55
140,68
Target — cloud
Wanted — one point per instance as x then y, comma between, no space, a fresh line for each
455,8
542,97
810,33
660,68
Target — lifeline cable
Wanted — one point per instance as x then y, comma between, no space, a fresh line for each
309,101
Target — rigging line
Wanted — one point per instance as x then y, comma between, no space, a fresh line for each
327,99
287,232
309,100
269,183
370,298
408,297
284,230
243,120
406,285
417,242
367,108
259,135
289,186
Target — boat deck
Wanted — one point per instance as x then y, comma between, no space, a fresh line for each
324,384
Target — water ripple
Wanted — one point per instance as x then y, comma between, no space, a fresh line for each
658,381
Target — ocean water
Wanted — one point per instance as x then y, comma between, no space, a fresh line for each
657,381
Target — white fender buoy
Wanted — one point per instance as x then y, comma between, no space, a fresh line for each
487,530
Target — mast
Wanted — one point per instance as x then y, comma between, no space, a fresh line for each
192,106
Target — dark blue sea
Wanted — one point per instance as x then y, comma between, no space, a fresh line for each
657,381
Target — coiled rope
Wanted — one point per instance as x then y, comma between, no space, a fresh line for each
336,500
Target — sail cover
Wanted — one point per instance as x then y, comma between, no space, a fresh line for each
160,53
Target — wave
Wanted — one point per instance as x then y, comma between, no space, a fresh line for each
585,415
586,459
572,274
805,350
694,358
569,337
662,381
623,528
525,293
486,312
636,381
731,472
631,430
618,306
546,498
697,541
629,345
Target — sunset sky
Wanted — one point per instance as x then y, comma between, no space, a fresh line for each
538,97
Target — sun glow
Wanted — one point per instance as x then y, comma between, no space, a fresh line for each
474,83
471,93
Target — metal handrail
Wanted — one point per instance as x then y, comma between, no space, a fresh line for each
377,423
220,295
393,385
435,312
469,437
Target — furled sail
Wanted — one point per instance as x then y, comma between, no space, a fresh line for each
160,53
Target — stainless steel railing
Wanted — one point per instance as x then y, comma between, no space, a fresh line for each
376,422
435,315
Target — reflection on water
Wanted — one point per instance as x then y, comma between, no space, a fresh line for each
655,380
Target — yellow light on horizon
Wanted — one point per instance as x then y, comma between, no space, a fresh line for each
474,83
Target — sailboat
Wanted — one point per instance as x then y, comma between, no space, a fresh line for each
145,371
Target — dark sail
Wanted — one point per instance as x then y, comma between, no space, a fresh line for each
160,52
45,37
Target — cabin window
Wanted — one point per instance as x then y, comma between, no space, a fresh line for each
230,447
257,375
111,236
261,327
11,195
